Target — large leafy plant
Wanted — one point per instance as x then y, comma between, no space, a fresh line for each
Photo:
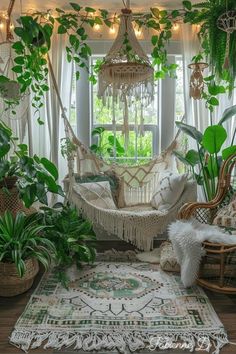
35,176
22,238
70,233
205,161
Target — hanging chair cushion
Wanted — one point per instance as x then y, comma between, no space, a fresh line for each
97,193
170,188
116,184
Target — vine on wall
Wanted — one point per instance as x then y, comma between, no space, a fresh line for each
34,35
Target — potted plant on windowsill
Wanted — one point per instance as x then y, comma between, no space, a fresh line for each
23,179
22,245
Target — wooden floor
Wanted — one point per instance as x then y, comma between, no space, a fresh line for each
11,309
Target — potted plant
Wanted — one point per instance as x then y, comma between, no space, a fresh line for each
206,160
72,235
22,246
23,177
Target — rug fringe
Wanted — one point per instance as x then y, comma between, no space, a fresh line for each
134,341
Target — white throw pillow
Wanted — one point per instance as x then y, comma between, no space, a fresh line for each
171,187
97,193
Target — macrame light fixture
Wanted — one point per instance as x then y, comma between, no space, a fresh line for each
227,23
197,80
126,74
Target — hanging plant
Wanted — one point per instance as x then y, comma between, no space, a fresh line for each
213,38
34,41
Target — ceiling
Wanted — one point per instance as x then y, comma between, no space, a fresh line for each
114,5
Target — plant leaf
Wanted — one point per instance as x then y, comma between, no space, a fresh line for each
227,152
228,113
190,130
213,138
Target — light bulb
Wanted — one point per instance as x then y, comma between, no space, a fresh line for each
11,26
175,26
97,27
138,32
112,29
1,25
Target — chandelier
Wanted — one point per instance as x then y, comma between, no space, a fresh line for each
126,75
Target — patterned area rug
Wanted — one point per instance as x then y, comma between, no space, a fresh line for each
118,306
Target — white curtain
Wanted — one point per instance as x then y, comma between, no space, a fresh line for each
195,110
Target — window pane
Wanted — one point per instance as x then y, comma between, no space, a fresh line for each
139,148
72,117
179,108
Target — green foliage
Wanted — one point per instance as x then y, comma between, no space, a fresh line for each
70,233
107,145
35,176
205,162
213,138
213,39
22,238
34,40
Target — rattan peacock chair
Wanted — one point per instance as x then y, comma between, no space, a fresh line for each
218,267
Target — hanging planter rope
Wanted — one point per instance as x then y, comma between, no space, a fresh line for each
196,80
227,23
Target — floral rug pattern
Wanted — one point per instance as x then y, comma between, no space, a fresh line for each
124,306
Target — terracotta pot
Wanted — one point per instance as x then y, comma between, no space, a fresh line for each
11,283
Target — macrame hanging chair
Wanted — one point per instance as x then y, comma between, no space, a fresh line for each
126,76
133,220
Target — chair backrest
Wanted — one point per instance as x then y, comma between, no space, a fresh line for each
206,212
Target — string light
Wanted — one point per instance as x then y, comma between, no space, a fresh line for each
97,27
138,32
11,26
112,29
1,24
175,26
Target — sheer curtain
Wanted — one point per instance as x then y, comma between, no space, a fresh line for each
195,110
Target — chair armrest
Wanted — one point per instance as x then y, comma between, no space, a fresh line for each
189,210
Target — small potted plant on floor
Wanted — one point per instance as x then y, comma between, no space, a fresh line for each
24,179
72,235
22,245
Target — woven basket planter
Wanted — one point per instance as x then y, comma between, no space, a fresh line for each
11,283
9,200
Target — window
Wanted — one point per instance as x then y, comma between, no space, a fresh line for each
143,138
72,117
179,96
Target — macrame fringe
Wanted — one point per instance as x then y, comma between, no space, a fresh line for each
134,341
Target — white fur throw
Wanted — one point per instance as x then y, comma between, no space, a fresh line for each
187,238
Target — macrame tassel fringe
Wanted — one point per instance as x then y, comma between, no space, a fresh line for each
134,341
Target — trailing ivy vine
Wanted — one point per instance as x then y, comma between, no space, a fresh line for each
35,32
